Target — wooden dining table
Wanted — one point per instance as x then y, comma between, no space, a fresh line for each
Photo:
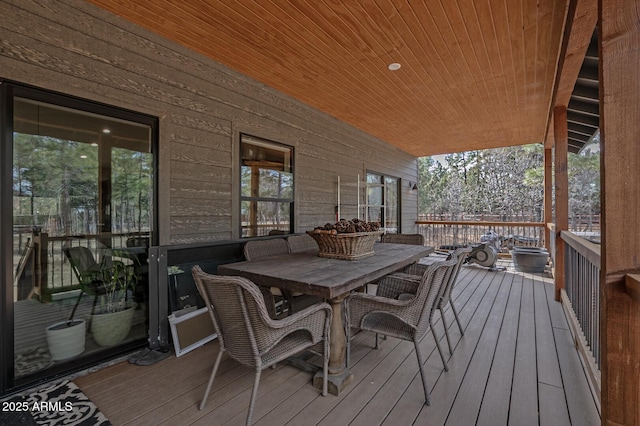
333,280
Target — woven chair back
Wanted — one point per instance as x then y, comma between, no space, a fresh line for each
302,243
261,249
235,303
429,293
461,254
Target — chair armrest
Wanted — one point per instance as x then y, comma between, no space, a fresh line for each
393,285
316,320
358,305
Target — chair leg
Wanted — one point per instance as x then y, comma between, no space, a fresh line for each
446,331
254,394
376,346
455,314
423,374
213,375
444,361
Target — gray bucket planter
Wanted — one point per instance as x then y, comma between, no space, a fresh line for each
530,259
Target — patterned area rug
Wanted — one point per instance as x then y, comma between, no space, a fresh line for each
60,404
32,360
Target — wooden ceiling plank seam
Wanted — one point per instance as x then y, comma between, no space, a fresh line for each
319,39
447,79
514,14
465,51
283,53
285,82
513,75
425,21
406,14
484,17
328,72
531,27
484,62
411,62
407,138
466,81
341,43
383,64
501,28
409,65
469,49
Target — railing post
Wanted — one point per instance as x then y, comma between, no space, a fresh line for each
548,194
560,134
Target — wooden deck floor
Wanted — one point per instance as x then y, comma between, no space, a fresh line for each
515,365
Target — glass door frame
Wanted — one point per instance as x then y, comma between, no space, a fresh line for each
384,206
9,90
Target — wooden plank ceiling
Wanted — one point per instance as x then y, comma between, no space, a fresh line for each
474,74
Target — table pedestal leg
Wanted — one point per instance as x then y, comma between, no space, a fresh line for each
339,376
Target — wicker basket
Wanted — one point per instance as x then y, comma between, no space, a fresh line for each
348,246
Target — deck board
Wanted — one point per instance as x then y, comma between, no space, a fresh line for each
515,360
523,409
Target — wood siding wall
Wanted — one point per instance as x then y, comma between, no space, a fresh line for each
72,47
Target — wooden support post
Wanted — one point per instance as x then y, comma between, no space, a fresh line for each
561,136
619,47
548,196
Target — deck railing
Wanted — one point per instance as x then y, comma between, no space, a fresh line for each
47,269
581,300
447,234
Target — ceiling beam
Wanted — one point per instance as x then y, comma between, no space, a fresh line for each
580,27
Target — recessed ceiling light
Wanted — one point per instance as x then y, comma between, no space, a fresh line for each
106,131
394,66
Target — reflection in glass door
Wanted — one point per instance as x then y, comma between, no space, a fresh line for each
383,201
83,215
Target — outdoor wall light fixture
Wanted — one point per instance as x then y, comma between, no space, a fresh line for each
413,186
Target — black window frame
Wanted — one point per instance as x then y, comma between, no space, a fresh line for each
244,198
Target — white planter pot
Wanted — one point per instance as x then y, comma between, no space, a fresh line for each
66,340
112,328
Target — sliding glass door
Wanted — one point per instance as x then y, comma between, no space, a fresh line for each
82,208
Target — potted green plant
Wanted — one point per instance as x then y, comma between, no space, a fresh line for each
112,319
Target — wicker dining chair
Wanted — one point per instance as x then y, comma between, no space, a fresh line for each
408,319
278,302
302,244
419,269
249,335
415,239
